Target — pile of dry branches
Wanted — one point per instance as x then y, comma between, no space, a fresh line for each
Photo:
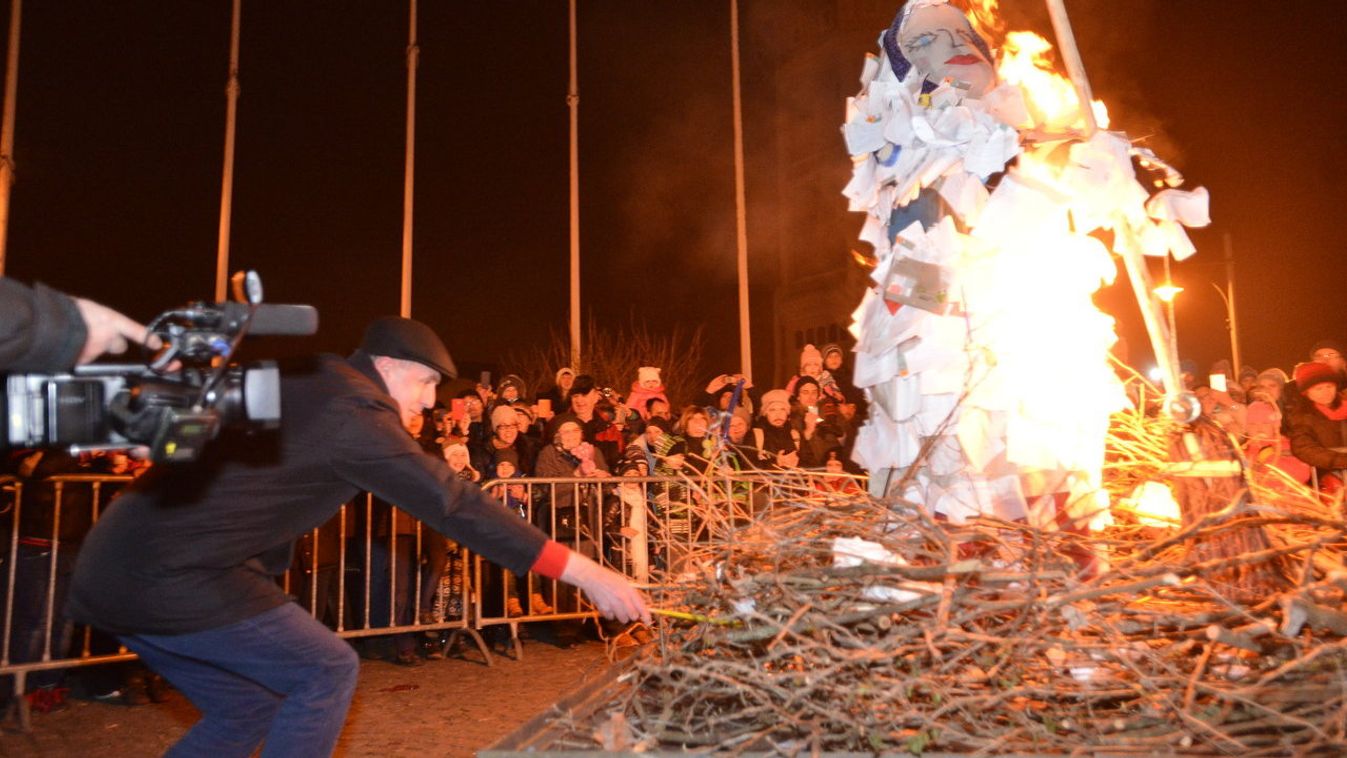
989,637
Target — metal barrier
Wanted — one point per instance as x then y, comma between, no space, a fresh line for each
639,526
33,619
408,554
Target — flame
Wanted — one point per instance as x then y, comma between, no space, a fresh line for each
985,16
1154,505
1052,272
1050,97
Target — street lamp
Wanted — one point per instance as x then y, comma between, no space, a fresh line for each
1167,292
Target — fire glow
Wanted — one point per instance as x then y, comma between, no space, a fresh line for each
1050,97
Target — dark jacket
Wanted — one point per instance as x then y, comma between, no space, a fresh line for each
1314,437
41,330
196,546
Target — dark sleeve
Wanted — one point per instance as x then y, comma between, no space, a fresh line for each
371,451
551,464
40,328
1306,445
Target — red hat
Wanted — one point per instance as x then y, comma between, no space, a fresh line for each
1311,373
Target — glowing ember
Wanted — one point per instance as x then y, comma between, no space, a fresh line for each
1154,505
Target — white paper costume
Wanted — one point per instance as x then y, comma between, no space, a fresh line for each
978,344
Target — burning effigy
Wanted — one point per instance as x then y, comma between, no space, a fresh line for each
1055,556
985,198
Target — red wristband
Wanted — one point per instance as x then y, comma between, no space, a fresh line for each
552,560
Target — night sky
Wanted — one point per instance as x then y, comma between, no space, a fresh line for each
120,133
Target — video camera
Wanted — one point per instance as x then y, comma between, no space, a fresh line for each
178,400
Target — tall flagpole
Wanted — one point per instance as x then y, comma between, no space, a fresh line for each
573,102
7,128
413,59
740,202
227,182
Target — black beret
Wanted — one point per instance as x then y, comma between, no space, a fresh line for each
409,340
583,385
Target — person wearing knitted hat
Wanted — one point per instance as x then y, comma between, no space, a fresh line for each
184,569
1317,428
835,365
505,438
647,387
811,365
569,455
777,442
511,390
557,396
1266,443
655,442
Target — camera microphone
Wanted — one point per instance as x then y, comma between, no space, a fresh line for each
275,320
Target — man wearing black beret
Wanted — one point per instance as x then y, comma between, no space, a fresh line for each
182,567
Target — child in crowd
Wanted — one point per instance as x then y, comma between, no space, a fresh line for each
646,387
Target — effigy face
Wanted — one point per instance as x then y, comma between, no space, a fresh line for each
938,40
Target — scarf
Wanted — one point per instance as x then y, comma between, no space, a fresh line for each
1333,414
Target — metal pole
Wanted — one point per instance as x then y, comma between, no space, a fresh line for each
7,128
573,102
740,202
1075,66
227,182
1162,341
1169,306
1231,322
413,58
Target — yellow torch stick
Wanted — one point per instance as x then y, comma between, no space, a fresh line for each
685,616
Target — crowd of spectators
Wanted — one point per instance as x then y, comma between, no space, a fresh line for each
1294,422
581,426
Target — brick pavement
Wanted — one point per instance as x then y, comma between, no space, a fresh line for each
444,708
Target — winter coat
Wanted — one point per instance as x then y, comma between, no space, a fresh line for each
1317,439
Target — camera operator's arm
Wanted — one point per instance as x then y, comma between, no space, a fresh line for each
372,452
40,328
108,330
44,330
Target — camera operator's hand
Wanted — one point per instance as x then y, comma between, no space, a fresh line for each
609,591
109,331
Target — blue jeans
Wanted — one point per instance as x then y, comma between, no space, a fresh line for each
279,676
